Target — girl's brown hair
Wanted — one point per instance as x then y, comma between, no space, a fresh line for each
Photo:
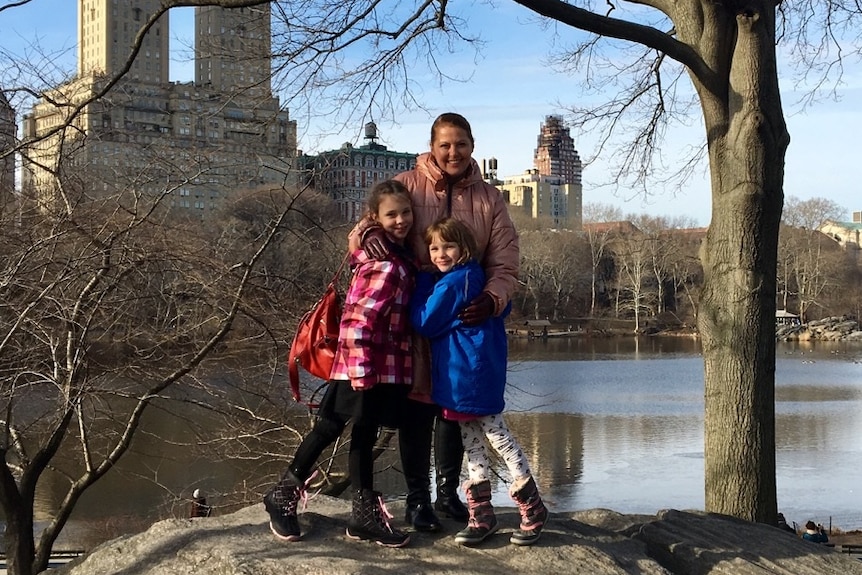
451,230
452,119
385,188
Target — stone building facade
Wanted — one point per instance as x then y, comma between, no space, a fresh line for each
553,189
192,144
8,131
346,174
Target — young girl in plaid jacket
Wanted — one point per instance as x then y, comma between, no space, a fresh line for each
370,378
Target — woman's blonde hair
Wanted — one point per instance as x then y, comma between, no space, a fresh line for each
451,230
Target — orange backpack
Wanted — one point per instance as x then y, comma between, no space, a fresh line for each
314,344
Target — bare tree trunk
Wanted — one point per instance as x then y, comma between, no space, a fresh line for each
22,553
747,143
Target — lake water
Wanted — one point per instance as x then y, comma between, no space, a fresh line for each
621,425
614,423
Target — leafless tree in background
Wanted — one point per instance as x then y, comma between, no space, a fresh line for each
812,266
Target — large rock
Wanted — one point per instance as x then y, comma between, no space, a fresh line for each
826,329
594,542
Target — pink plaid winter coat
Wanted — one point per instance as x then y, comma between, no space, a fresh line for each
374,335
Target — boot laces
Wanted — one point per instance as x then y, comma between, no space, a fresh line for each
382,514
291,495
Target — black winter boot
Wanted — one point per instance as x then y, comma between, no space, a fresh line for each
417,473
483,522
422,517
369,521
448,456
281,502
534,514
448,504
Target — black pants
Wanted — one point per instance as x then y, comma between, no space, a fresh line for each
360,460
423,422
340,405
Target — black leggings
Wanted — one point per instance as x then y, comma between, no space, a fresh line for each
324,433
424,425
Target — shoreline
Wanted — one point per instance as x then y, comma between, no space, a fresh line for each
838,328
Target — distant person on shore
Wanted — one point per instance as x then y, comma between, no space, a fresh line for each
782,524
815,533
468,368
199,506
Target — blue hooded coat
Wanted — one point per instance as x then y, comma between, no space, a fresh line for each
468,364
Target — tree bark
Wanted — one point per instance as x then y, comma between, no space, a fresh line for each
747,140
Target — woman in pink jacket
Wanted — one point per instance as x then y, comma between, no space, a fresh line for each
447,182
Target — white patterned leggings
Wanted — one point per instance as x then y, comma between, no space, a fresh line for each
491,429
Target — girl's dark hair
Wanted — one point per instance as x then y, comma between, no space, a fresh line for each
385,188
451,230
452,119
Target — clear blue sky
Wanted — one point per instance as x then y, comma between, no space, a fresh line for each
510,93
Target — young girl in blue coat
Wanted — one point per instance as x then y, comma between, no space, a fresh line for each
468,371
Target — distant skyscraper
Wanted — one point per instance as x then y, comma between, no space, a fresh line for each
551,191
8,130
191,143
106,34
233,48
555,153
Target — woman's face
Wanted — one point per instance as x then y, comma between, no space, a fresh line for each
452,150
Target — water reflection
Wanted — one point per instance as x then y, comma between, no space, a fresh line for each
585,348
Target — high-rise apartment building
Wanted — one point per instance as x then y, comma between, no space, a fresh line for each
346,174
553,188
555,153
191,143
8,131
545,197
106,34
232,48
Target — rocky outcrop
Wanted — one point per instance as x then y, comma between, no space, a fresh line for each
827,329
595,542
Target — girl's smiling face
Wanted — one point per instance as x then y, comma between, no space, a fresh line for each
444,255
395,214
